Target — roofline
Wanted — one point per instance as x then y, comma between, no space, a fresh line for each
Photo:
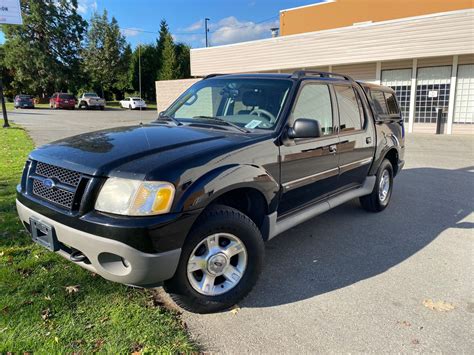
324,2
373,24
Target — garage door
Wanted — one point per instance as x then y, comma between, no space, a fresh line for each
400,81
464,103
432,92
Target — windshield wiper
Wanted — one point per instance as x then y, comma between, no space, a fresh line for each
169,118
241,129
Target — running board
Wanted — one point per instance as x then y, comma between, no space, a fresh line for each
277,227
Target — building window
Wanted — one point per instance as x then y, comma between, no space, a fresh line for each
432,93
349,109
400,81
464,103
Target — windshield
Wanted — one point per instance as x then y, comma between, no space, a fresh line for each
249,103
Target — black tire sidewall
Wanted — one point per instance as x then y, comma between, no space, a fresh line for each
386,165
225,220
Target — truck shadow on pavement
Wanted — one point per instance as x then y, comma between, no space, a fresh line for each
348,244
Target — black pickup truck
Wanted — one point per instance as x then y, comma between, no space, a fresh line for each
188,200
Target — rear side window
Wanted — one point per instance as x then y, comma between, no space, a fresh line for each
314,102
379,102
350,112
392,105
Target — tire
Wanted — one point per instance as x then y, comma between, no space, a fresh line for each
102,108
217,226
379,199
129,107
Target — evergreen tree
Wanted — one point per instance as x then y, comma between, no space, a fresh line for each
149,67
43,53
167,68
183,61
106,55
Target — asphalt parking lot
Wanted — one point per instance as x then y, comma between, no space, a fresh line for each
45,125
348,280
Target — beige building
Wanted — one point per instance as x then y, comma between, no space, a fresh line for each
427,56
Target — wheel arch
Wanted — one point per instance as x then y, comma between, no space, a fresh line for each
391,153
247,188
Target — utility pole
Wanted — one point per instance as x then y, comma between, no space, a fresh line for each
4,109
206,29
140,72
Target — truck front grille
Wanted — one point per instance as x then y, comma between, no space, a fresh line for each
55,195
65,190
63,175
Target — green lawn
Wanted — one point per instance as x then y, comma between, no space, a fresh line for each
10,107
49,305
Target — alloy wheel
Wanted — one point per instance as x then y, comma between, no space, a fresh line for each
217,264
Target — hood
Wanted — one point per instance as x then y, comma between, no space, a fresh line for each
99,153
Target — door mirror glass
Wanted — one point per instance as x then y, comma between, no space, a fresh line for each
305,128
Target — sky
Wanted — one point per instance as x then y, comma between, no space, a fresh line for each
231,21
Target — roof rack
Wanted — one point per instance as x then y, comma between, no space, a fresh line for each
322,74
212,76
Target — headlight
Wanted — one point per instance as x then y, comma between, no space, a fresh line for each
134,197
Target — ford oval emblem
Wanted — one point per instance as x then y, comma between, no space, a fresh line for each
49,183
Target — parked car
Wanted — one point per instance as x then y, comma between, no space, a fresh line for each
62,100
133,103
190,198
91,100
24,101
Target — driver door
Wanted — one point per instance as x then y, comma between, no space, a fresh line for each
309,167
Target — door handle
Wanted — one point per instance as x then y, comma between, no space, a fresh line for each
368,140
333,148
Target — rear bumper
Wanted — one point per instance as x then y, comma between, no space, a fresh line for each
113,260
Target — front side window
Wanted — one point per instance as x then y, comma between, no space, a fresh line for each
249,103
314,102
350,111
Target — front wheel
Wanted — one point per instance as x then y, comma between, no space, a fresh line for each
380,196
220,262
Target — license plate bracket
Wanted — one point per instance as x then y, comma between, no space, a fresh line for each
43,234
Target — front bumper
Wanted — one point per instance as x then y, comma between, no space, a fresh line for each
113,260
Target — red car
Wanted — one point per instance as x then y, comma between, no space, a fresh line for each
62,100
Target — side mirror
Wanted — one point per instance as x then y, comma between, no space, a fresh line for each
161,114
305,128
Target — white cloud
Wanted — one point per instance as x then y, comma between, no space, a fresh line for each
84,6
131,32
231,30
194,27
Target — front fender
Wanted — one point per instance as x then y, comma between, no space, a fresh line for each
227,178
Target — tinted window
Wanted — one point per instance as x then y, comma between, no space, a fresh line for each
314,102
349,109
391,103
379,102
66,96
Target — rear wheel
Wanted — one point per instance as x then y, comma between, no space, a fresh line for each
220,262
379,199
129,107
